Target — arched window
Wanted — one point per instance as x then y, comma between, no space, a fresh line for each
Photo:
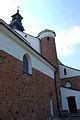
65,72
68,84
25,64
51,104
27,68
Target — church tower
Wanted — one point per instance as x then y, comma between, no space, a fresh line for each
16,22
48,50
48,47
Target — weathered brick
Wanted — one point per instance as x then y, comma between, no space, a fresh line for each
23,96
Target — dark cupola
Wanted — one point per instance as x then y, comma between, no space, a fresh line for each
16,22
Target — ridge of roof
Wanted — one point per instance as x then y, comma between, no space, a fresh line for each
68,66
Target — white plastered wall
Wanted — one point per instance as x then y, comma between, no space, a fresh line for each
17,49
65,92
70,72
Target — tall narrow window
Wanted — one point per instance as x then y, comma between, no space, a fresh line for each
48,38
25,64
51,105
65,72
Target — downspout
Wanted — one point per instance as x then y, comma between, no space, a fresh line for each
56,93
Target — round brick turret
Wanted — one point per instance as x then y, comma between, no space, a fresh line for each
48,47
48,50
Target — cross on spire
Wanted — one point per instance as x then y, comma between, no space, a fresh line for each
18,9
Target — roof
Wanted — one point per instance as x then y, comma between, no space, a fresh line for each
47,30
68,66
23,40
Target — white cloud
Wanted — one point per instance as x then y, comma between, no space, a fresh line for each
66,40
31,26
6,10
9,8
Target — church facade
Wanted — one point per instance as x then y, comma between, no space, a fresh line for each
34,84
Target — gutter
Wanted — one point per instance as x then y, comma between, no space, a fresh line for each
56,93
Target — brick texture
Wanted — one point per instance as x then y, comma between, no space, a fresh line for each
49,52
75,82
24,96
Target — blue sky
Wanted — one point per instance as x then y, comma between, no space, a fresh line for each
61,16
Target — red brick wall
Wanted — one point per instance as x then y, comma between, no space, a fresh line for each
49,52
75,82
24,96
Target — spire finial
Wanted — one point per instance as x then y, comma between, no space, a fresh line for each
18,9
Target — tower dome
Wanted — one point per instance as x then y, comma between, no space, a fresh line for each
46,33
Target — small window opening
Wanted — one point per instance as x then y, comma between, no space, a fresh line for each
68,84
48,38
25,36
51,104
65,72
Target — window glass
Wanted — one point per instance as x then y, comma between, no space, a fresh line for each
68,84
25,64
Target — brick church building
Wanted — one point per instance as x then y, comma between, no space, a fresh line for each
34,84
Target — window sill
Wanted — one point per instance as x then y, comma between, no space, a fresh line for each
25,73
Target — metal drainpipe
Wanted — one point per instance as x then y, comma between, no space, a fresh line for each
56,93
